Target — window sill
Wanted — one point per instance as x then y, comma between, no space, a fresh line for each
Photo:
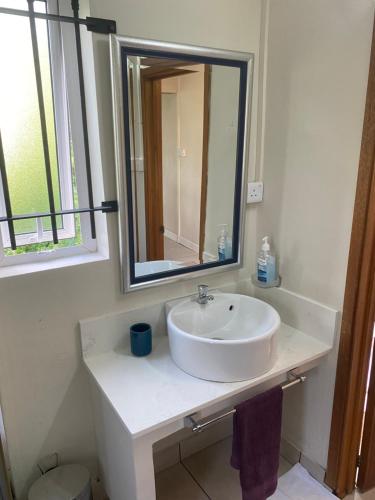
58,263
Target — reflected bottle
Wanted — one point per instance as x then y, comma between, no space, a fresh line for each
223,243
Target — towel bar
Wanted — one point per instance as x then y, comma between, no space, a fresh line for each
293,379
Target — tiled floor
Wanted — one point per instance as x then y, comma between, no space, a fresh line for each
175,251
217,479
211,469
177,484
370,495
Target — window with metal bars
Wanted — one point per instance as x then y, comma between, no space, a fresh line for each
46,194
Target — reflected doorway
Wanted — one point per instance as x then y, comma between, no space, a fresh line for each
175,124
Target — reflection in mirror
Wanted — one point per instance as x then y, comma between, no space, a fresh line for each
183,127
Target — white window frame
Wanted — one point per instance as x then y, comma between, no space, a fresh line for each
68,118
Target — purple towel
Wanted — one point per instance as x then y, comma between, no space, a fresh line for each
256,443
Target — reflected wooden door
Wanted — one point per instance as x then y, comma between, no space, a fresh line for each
152,140
206,131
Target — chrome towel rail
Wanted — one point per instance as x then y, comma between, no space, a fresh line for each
293,379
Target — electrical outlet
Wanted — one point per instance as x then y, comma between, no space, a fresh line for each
181,152
254,192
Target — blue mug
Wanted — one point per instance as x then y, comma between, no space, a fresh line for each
141,339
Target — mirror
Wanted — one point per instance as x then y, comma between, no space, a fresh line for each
180,127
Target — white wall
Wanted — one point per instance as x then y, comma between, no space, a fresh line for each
222,149
182,175
170,161
318,57
43,389
190,115
315,85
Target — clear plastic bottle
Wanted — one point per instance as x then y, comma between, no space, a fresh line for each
266,263
222,242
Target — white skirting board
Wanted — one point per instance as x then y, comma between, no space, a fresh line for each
297,484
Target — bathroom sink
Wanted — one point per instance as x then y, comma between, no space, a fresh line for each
230,338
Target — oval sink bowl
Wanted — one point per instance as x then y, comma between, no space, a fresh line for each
231,338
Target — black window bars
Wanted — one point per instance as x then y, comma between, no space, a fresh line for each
96,25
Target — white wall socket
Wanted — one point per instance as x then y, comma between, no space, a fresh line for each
181,152
254,192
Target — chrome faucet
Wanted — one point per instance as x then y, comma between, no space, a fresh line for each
203,296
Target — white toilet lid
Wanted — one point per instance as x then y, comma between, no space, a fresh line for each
65,482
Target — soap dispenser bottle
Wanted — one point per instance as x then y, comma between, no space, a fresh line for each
266,263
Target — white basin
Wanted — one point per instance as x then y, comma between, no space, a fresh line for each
231,338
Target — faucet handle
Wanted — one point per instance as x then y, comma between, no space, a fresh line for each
202,289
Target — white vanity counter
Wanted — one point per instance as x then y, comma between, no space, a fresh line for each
139,401
150,392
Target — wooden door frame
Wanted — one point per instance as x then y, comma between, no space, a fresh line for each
204,177
358,315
